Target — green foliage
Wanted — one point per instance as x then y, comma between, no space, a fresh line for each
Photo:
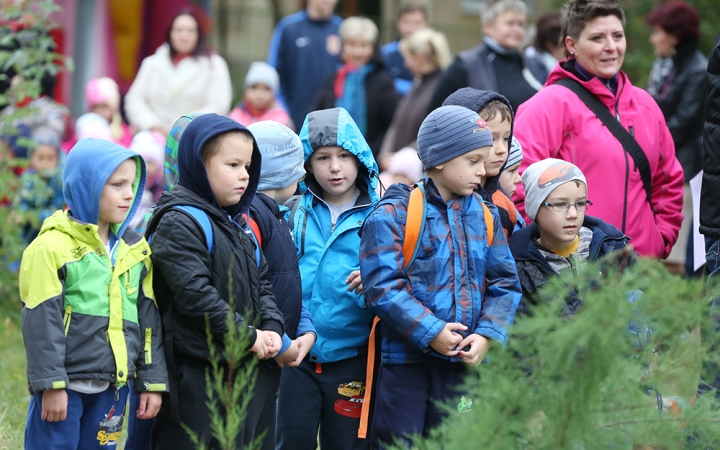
588,382
27,52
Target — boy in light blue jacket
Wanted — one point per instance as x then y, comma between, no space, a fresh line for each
338,193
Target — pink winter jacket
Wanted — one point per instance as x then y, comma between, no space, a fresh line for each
276,113
555,123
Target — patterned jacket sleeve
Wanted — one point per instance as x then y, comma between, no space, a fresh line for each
502,289
386,284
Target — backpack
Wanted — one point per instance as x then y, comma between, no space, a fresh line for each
414,228
202,219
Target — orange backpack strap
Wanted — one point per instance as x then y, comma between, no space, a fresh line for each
489,223
255,228
369,379
414,224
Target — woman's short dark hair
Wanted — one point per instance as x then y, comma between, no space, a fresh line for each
547,30
201,48
677,18
577,13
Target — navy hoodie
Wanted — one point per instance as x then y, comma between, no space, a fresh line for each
192,283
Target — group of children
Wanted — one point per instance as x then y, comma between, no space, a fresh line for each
104,310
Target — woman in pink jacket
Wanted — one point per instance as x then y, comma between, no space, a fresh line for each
556,123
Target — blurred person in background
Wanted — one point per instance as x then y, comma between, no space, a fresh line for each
426,54
412,16
184,75
361,85
259,101
546,48
496,64
304,49
677,83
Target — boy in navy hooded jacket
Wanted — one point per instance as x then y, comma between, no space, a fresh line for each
219,169
89,321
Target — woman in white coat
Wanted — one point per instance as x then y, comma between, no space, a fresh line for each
184,75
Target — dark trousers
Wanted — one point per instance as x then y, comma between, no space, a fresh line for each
189,380
263,404
94,421
330,400
406,398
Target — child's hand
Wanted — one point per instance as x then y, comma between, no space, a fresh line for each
355,282
304,344
479,346
445,342
54,405
274,343
260,345
149,406
290,354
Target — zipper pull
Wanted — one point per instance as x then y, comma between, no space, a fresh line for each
117,394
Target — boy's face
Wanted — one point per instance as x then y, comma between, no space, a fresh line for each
117,195
461,175
228,169
558,229
501,140
508,29
335,170
259,96
44,158
510,178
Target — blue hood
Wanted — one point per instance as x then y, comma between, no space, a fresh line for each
335,127
88,166
191,170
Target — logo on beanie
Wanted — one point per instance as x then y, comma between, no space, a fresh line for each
480,122
558,173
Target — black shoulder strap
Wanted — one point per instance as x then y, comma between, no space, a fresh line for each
292,204
621,134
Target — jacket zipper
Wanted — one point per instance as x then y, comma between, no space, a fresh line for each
66,319
148,345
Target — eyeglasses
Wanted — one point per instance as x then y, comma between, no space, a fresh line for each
580,206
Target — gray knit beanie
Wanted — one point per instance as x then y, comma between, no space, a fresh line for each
449,132
263,73
542,177
282,155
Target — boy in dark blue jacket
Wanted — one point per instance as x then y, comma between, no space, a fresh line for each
219,169
461,290
282,168
561,239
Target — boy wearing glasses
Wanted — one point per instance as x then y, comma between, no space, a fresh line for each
561,239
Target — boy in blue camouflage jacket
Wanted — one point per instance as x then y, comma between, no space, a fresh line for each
439,314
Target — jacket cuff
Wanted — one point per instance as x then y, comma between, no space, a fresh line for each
272,325
252,336
490,331
286,343
147,386
45,384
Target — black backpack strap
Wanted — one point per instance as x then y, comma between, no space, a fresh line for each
292,204
621,134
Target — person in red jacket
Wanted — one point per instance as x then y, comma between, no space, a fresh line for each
555,123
